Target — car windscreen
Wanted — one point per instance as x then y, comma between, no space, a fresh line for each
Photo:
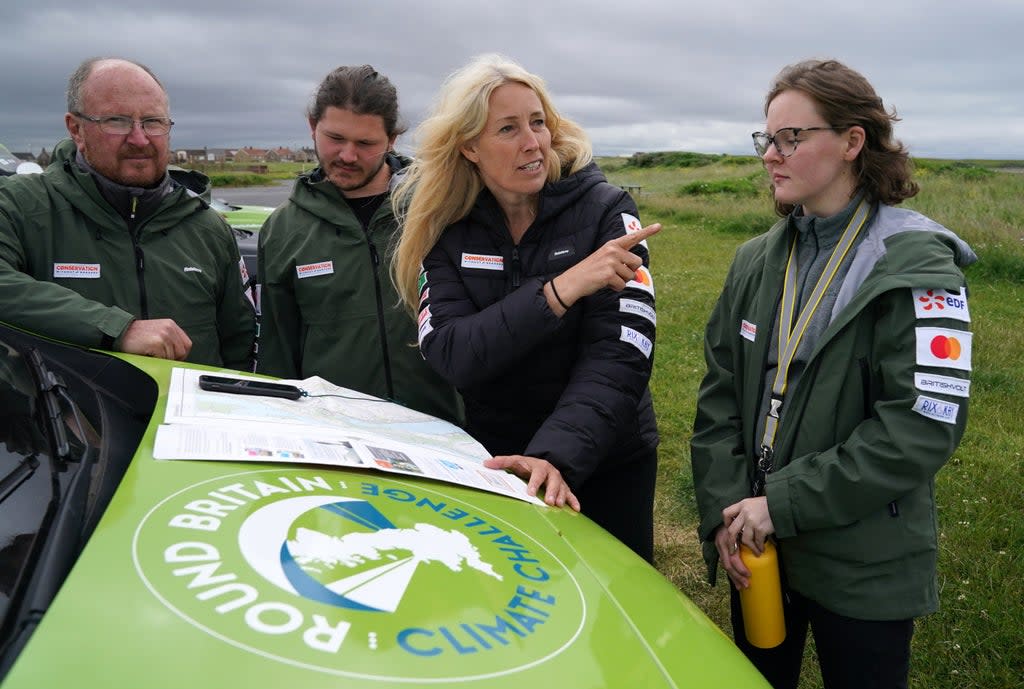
70,422
26,486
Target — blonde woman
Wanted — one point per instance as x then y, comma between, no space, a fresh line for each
529,275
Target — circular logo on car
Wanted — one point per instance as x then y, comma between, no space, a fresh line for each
369,578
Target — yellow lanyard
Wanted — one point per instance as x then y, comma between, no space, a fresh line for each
790,334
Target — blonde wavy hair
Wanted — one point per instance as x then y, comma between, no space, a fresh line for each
441,185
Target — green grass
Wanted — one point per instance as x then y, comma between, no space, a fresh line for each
976,639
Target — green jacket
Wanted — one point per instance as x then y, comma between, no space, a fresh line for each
71,269
864,430
328,306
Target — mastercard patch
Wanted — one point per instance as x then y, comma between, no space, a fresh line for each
944,347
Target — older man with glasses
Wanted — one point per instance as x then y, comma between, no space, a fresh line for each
108,248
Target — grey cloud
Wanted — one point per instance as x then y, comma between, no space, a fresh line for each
642,75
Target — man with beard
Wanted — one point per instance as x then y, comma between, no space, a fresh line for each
109,249
328,306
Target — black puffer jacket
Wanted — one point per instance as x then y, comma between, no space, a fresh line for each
571,390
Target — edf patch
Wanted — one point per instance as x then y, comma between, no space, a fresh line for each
941,303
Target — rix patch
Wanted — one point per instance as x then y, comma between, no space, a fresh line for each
939,410
637,339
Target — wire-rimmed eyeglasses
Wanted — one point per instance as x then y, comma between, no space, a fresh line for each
119,125
785,139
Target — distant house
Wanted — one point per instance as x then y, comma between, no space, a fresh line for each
186,156
216,155
250,155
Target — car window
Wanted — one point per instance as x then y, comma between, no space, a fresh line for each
25,488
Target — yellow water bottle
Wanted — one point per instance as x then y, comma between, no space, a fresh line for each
761,602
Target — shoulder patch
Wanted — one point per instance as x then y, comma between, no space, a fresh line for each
947,385
424,325
638,308
642,281
941,303
939,410
944,348
637,339
632,224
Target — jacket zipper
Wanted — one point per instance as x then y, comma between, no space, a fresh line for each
515,267
375,259
140,262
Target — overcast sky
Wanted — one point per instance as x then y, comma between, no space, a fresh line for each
639,75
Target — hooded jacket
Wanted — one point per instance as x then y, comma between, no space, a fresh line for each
328,307
879,408
571,390
72,269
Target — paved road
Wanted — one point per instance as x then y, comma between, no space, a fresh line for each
273,195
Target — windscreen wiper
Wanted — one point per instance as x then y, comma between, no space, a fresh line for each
50,385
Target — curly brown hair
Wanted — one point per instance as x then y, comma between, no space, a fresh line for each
846,99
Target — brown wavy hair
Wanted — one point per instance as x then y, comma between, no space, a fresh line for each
846,99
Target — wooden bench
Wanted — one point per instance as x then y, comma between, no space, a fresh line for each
631,189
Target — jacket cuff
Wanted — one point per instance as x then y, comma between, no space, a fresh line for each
779,507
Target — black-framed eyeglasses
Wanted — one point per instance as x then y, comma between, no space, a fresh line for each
119,125
785,139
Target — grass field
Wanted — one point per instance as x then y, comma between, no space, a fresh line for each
709,205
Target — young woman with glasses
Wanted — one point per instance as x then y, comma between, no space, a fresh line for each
838,365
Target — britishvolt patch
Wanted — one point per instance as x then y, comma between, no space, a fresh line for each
313,269
632,224
636,339
939,410
941,303
638,308
483,261
642,280
944,347
89,271
947,385
748,330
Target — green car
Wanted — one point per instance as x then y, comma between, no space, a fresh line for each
118,569
245,222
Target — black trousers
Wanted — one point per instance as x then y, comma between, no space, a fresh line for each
853,654
621,500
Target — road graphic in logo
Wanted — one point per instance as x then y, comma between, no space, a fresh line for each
375,579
